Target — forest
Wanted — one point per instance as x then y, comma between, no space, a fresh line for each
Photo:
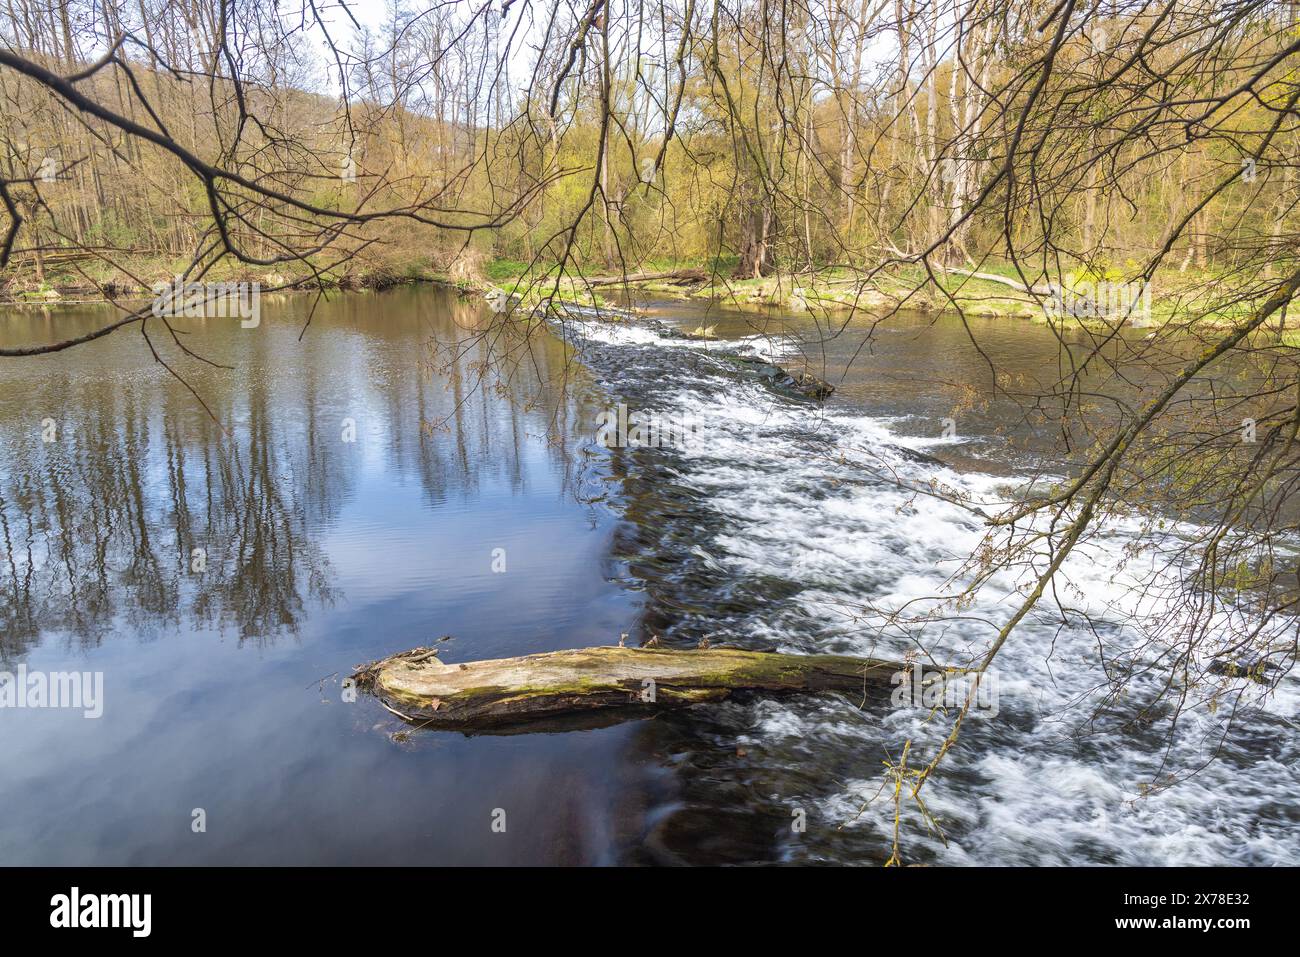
855,139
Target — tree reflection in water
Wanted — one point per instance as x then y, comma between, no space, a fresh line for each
147,515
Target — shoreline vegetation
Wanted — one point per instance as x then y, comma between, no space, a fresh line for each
990,292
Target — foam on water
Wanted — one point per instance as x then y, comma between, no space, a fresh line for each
622,331
823,502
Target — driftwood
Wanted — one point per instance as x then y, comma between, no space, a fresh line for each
994,277
613,683
678,276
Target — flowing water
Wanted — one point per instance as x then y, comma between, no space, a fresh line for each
373,485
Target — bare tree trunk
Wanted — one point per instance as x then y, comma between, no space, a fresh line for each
755,253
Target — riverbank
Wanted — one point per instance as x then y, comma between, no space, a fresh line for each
830,290
1187,298
134,282
1100,303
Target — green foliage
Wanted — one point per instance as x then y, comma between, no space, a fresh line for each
501,269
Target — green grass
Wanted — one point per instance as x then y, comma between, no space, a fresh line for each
502,269
1179,296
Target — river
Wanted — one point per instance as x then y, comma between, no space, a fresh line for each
402,471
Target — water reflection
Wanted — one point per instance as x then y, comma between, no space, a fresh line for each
144,514
222,684
222,681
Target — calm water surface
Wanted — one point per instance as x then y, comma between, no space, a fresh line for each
222,686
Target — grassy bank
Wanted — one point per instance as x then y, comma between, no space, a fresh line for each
99,281
1185,296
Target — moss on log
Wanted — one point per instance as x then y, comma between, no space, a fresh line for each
675,277
612,682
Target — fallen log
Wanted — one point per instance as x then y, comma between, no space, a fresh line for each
612,682
994,277
677,277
